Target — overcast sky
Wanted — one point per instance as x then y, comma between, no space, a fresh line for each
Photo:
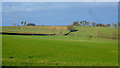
58,13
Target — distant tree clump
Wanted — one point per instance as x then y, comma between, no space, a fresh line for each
107,25
94,24
81,23
100,25
23,23
31,24
84,23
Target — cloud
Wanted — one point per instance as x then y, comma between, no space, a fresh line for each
60,0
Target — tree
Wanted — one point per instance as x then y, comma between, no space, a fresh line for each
107,25
94,24
23,23
82,23
76,23
100,25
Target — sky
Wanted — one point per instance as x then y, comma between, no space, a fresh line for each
60,0
58,13
0,14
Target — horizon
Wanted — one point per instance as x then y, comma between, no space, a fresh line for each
58,13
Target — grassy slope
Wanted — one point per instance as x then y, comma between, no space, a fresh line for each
83,32
0,48
57,50
34,29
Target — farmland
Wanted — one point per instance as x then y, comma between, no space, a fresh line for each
83,32
89,46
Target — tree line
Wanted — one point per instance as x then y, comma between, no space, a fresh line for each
94,24
76,23
25,24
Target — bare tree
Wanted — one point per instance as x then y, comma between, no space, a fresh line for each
76,23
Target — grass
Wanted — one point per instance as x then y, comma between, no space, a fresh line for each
83,31
0,50
89,46
33,29
58,51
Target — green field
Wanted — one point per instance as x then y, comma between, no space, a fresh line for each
83,31
76,49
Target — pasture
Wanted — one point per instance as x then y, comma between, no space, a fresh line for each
90,46
83,31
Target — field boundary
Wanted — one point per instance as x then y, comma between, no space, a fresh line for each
10,33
